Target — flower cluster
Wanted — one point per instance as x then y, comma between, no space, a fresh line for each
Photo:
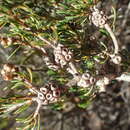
98,18
49,93
9,72
62,55
7,41
86,80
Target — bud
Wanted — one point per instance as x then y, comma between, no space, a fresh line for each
92,80
86,76
49,96
7,41
44,90
9,72
53,87
102,83
50,64
68,57
116,59
83,83
56,93
64,51
41,96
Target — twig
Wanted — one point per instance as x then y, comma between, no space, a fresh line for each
18,105
107,27
31,87
46,41
38,108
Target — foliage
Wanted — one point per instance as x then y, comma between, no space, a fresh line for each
33,29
